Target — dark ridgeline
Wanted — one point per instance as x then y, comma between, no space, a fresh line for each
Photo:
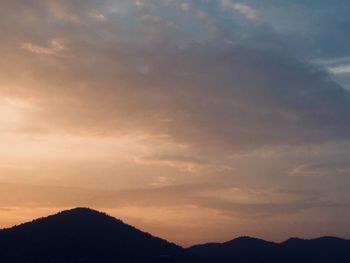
294,250
243,249
85,235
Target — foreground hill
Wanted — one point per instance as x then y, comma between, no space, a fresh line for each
88,236
252,250
84,235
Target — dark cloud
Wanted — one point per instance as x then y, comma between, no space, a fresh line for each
206,94
237,98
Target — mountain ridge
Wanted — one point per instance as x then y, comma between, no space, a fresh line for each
253,250
85,235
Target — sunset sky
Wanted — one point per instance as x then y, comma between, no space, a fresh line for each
196,120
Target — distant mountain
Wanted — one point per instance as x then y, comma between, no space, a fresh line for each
324,249
243,249
84,235
294,250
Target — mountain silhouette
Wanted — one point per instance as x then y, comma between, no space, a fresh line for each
243,249
84,235
88,236
294,250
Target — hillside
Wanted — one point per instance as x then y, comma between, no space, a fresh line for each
84,235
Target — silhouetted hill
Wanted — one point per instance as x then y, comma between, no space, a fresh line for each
88,236
84,235
243,249
324,249
252,250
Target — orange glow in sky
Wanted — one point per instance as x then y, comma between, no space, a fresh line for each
192,120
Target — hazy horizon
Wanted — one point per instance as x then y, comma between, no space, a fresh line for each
194,120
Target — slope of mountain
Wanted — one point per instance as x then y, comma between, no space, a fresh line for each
88,236
251,250
84,235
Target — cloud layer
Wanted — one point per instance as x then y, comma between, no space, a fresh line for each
169,104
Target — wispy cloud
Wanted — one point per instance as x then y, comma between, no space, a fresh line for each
323,169
341,69
247,11
98,16
338,65
55,46
181,162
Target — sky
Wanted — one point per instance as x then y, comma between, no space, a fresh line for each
196,121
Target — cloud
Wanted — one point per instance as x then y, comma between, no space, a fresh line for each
335,65
342,69
247,11
184,163
233,98
185,7
139,3
53,48
98,16
61,12
323,169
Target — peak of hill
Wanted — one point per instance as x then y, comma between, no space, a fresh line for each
79,217
82,211
84,235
